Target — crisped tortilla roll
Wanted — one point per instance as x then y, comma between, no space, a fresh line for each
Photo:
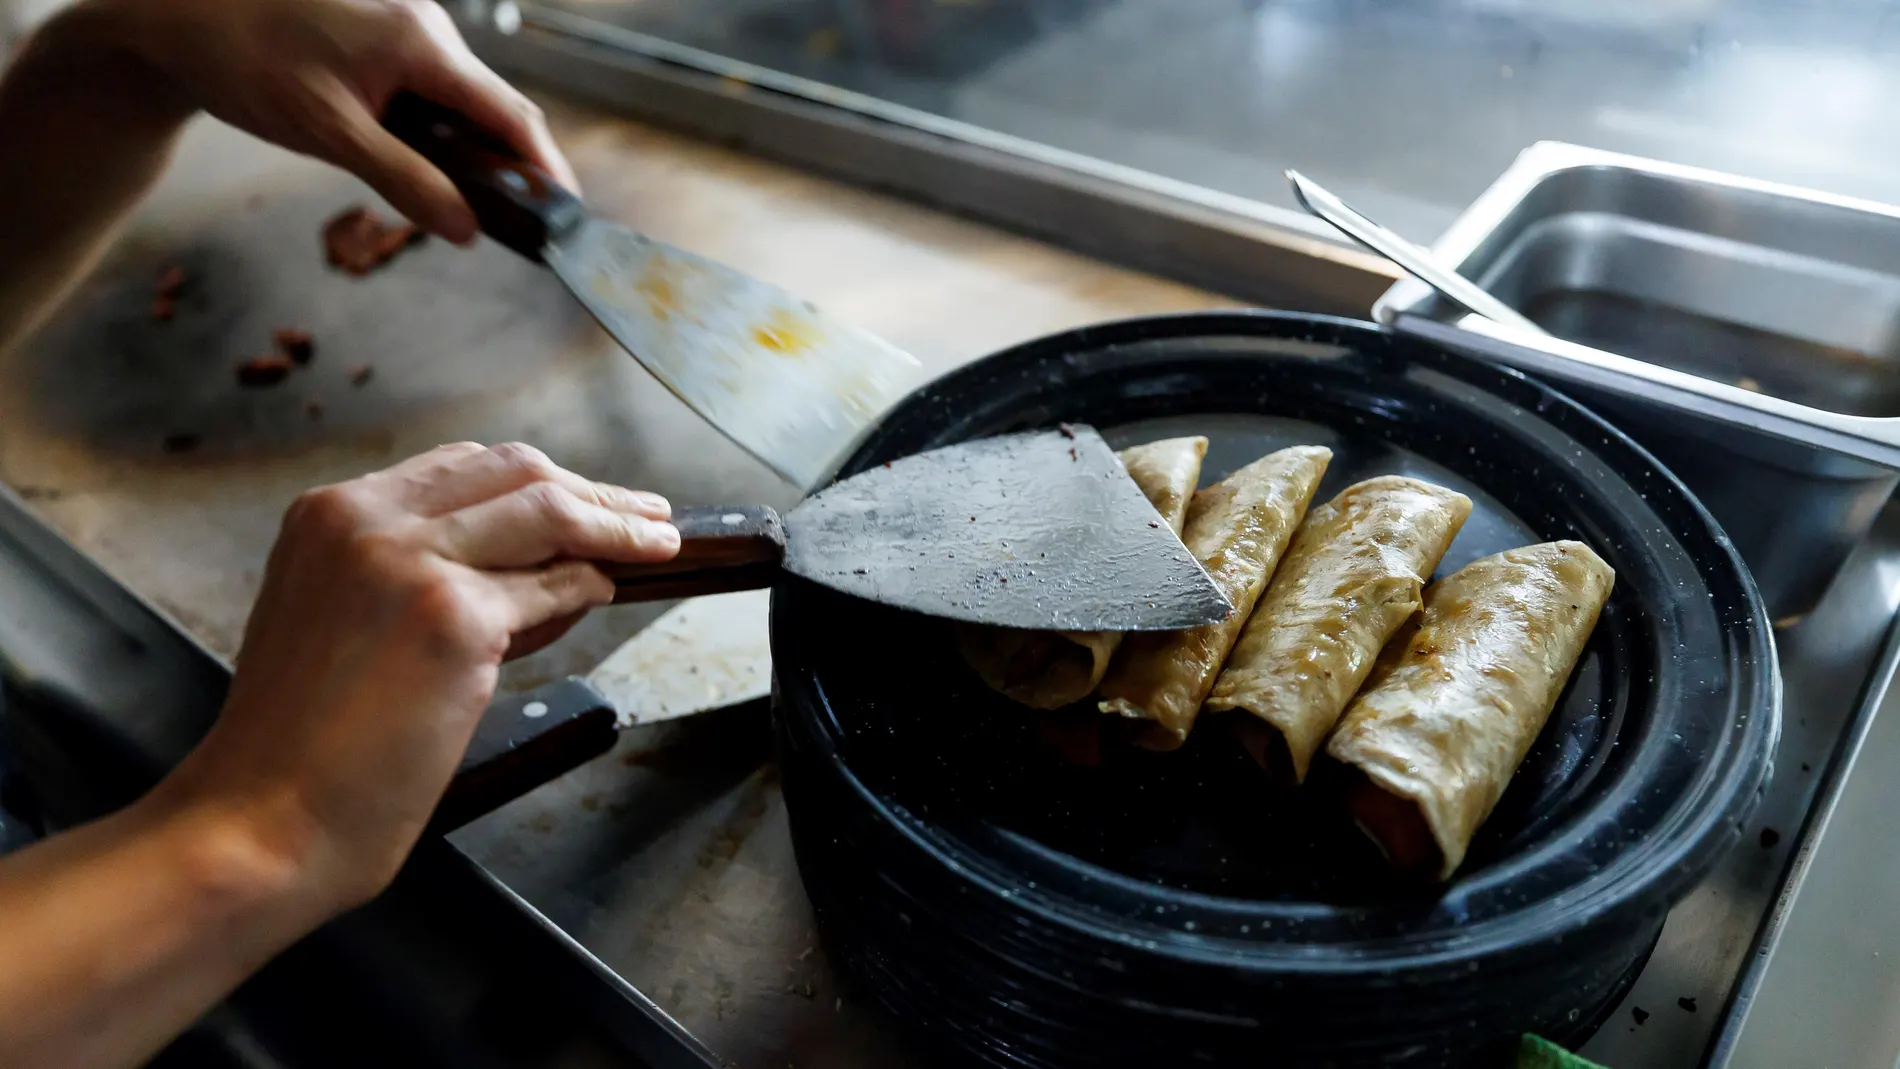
1453,706
1352,577
1050,669
1238,528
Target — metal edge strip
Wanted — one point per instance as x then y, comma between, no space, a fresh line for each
1820,813
1227,244
686,1049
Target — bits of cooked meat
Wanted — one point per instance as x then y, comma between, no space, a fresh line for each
262,371
171,282
295,344
359,241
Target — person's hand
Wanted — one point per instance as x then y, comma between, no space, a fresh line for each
315,75
387,607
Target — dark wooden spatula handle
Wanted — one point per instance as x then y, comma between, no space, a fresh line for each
722,548
516,202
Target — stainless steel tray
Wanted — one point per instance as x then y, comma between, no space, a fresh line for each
1776,308
1747,333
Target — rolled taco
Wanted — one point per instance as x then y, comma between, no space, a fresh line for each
1050,669
1352,577
1238,528
1456,700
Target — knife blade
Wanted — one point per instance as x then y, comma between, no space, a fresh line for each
705,653
1040,530
789,385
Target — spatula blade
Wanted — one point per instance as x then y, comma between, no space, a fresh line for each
791,387
1042,530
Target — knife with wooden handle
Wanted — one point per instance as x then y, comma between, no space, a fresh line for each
705,654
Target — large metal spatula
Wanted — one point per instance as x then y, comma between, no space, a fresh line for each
791,387
1040,530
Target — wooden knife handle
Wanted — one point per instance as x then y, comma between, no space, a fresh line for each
516,202
722,548
523,741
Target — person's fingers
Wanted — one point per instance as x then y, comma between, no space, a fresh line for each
443,69
424,466
460,477
544,521
541,636
411,184
539,599
492,104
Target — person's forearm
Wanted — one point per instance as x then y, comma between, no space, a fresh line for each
119,934
87,129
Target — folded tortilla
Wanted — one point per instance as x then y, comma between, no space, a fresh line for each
1050,669
1352,577
1456,701
1238,528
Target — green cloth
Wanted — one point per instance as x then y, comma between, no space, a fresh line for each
1534,1053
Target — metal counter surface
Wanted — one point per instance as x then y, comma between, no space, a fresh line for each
668,859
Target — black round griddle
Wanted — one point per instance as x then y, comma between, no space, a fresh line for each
1020,897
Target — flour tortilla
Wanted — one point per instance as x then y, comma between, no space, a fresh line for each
1353,576
1051,669
1238,528
1456,701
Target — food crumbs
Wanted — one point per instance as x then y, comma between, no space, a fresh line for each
805,954
1639,1013
361,374
295,344
262,371
165,293
1686,1003
358,241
